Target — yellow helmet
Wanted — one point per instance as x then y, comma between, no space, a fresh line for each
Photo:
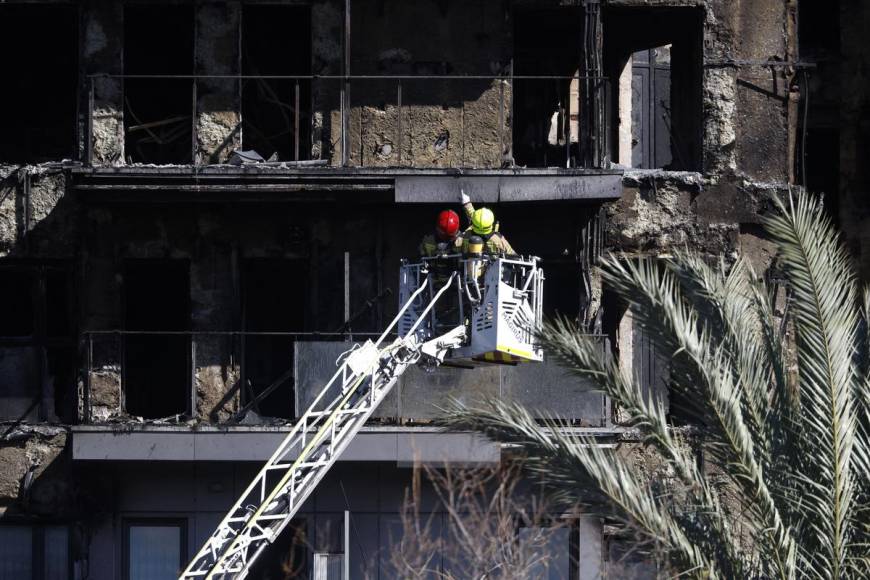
482,221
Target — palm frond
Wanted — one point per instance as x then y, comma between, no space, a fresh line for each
784,426
706,372
564,461
826,318
583,356
723,297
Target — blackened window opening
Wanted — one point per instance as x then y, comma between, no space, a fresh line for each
547,42
276,113
560,250
37,344
274,302
819,28
661,125
158,40
17,288
40,73
156,346
817,165
288,556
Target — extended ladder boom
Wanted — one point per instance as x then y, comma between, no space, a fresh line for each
362,381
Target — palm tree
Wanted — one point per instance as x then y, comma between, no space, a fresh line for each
781,424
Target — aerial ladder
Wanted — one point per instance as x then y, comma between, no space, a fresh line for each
363,379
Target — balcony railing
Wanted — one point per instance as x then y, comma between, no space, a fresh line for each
256,377
487,121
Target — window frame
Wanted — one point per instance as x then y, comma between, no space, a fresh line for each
47,345
129,522
37,546
572,525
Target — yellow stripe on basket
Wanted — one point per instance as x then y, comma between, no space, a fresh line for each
494,356
514,351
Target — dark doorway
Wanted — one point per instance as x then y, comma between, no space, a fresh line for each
158,40
157,361
276,41
560,249
40,73
274,302
822,166
665,49
563,296
547,42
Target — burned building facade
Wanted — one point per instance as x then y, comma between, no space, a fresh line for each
204,203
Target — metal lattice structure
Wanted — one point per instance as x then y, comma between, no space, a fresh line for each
501,298
363,379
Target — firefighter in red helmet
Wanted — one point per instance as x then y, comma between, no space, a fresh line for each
445,236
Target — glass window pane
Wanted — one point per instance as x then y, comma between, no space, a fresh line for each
16,551
56,553
155,552
547,552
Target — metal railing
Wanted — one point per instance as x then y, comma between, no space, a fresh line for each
181,359
310,361
400,93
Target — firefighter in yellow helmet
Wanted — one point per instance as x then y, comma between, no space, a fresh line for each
483,228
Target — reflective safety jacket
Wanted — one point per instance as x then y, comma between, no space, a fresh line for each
495,243
429,246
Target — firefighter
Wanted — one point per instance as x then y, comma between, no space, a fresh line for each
446,239
483,234
483,230
467,206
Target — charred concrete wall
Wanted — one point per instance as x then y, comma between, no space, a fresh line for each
748,139
749,129
37,218
102,54
218,121
747,109
748,114
35,480
218,243
37,226
661,211
443,123
313,241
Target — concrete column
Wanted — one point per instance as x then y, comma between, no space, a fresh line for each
102,53
719,90
326,30
218,124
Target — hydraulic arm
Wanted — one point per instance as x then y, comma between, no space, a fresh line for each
363,379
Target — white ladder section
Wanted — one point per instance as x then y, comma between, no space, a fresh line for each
317,440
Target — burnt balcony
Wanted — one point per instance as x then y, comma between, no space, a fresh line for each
245,379
360,121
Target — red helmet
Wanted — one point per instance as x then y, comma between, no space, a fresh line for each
448,224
